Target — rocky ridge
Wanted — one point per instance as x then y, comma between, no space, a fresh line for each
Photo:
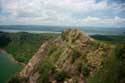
74,53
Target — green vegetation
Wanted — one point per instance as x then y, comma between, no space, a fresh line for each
113,68
116,39
23,45
61,76
113,65
75,56
4,39
17,79
45,70
48,72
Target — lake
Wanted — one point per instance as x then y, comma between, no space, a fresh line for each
58,29
8,67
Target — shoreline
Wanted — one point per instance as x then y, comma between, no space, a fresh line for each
30,31
10,56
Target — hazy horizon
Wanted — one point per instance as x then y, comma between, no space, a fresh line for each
57,29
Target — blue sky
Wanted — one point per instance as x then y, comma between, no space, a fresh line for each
109,13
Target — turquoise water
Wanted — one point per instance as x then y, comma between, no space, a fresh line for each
8,68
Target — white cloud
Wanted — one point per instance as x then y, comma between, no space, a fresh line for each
91,20
56,11
37,7
105,21
118,7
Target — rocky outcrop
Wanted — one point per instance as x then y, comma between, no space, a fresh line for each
30,70
36,59
72,52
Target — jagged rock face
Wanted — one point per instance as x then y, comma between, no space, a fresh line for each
74,35
69,58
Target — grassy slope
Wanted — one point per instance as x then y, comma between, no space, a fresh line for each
23,45
113,66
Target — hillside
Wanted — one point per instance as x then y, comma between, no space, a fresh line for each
23,45
74,57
